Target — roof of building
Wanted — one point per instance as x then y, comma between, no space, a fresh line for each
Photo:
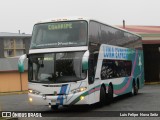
150,34
142,29
7,34
10,64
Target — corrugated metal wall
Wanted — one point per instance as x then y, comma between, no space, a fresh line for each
152,62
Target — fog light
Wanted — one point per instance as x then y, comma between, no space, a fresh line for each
82,98
44,97
30,99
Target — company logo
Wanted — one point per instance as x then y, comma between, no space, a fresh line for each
115,52
6,114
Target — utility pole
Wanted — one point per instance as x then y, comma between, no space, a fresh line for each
21,80
123,24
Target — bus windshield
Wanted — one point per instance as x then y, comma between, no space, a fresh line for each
56,67
59,34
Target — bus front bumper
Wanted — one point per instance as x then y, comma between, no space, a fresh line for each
71,99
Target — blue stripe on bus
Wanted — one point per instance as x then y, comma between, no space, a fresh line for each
60,96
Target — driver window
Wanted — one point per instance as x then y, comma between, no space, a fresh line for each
91,72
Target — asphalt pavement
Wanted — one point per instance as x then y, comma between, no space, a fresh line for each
148,99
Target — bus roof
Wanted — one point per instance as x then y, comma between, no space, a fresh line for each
64,19
83,18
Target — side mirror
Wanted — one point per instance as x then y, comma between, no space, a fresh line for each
85,61
21,63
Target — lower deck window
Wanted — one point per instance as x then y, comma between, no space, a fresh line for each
115,69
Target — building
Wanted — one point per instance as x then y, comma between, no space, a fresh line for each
11,45
10,79
14,44
151,47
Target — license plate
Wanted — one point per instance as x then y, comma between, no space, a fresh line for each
53,100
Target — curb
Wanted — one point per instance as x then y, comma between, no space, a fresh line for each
14,93
152,83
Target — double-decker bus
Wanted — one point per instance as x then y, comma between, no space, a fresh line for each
82,61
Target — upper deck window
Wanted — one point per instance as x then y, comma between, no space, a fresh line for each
59,34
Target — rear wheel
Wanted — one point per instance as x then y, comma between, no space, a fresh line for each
134,89
110,94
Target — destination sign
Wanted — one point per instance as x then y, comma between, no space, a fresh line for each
59,26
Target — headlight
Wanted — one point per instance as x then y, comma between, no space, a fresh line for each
30,99
81,89
33,92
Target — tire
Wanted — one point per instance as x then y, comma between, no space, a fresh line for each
54,107
102,98
110,95
134,89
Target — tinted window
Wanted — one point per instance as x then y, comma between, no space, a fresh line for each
94,32
94,46
105,34
113,36
115,69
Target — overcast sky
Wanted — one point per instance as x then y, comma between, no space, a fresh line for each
22,14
